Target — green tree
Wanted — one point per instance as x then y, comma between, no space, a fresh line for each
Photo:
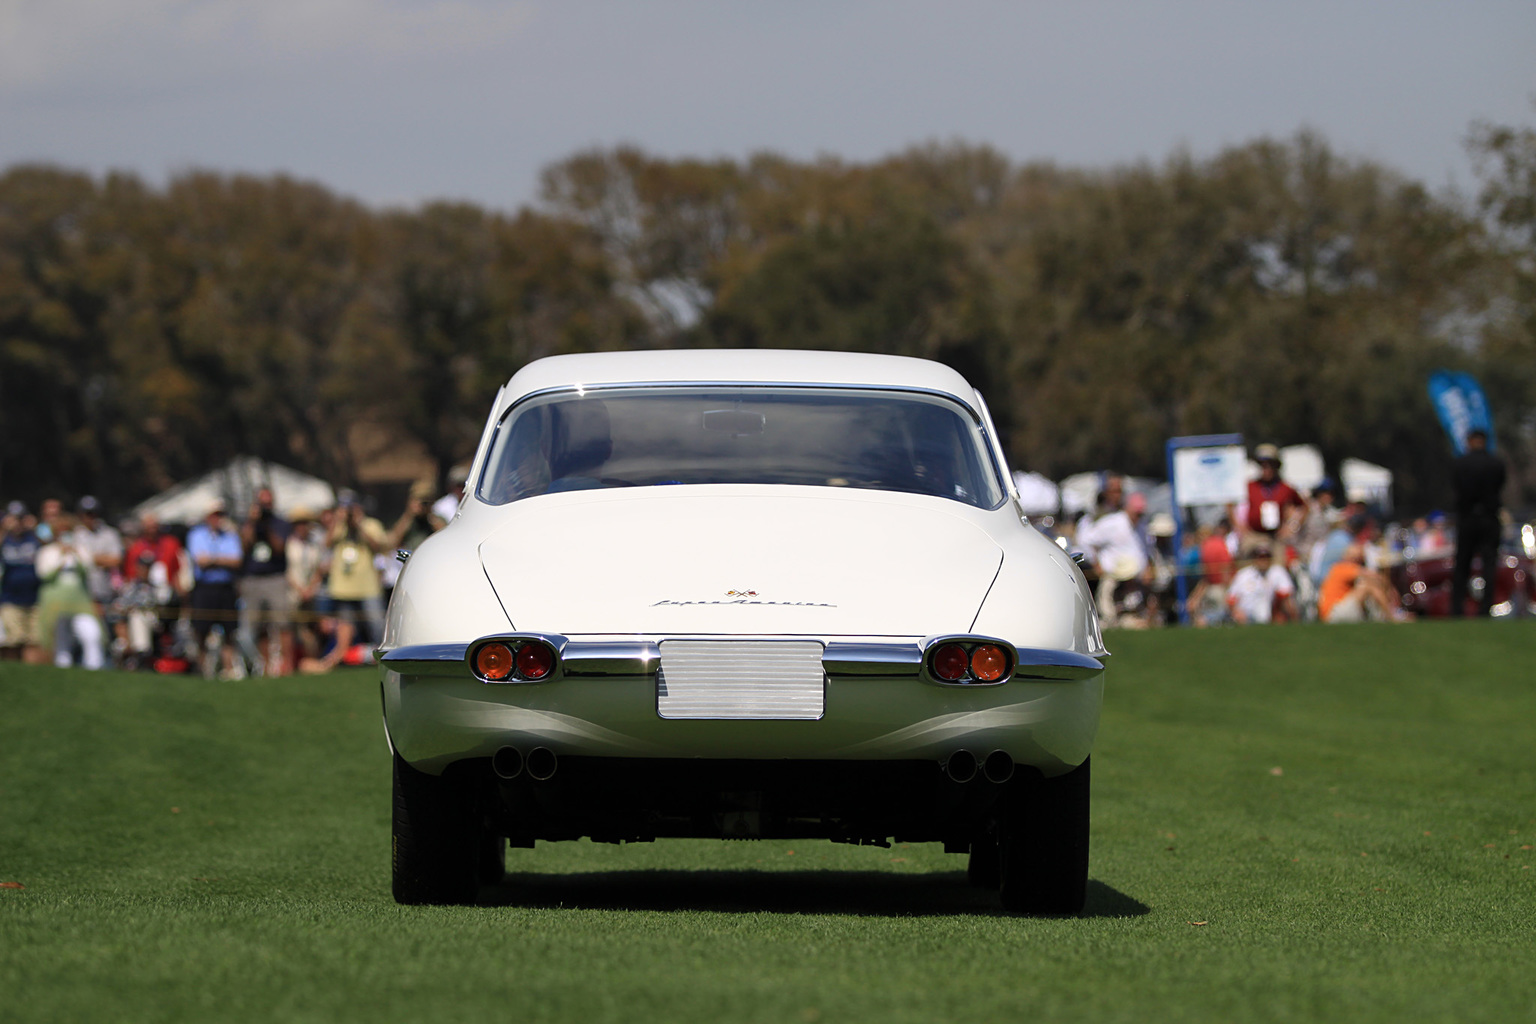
1506,159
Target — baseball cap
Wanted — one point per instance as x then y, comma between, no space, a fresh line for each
15,508
89,504
1266,453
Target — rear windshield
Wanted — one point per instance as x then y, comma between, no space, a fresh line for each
648,437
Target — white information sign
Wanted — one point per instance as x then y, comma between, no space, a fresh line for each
1210,476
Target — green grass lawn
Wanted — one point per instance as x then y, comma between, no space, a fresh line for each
1290,824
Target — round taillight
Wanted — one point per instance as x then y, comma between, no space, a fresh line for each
535,661
989,663
950,663
494,661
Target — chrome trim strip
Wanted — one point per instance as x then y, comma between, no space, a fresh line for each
802,385
624,658
642,657
1048,663
845,659
424,652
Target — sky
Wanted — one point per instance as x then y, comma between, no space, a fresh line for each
396,102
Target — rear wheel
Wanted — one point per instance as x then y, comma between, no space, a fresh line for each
439,852
1043,843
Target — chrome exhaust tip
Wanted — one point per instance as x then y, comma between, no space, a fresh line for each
507,762
998,767
961,766
542,763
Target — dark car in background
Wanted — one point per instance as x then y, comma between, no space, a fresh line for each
1424,585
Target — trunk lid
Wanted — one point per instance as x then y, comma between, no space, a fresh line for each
717,560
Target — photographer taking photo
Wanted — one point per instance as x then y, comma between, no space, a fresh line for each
266,597
354,583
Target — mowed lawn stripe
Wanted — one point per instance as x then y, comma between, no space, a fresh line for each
1290,823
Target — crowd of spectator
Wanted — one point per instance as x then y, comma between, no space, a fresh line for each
254,592
268,593
1280,556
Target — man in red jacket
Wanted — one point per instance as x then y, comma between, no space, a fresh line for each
1275,509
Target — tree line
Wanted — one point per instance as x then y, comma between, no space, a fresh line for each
1277,288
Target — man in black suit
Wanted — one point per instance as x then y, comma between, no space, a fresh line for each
1478,478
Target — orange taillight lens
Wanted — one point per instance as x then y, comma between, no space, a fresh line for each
989,663
494,661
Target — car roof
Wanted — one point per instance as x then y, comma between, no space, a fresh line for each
739,366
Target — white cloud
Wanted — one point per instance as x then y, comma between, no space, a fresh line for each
53,42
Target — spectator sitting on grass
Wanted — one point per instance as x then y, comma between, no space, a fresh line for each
1259,589
1353,593
1356,529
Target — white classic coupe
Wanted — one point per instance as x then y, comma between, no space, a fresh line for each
741,594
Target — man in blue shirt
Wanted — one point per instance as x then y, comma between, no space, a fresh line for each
216,554
18,587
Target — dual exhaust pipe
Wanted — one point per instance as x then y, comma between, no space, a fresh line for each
540,764
962,766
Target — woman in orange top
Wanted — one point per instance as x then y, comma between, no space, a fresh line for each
1353,593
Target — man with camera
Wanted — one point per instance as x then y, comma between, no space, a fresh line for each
354,583
266,598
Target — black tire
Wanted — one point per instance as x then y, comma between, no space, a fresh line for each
1044,843
493,858
983,868
438,852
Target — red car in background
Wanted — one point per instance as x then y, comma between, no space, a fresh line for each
1424,585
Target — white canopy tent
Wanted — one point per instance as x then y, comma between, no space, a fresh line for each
1037,495
1301,466
1367,482
236,485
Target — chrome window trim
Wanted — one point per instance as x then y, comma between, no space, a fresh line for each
1000,476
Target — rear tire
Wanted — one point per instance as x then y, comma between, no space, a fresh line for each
1044,843
983,868
493,858
438,851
